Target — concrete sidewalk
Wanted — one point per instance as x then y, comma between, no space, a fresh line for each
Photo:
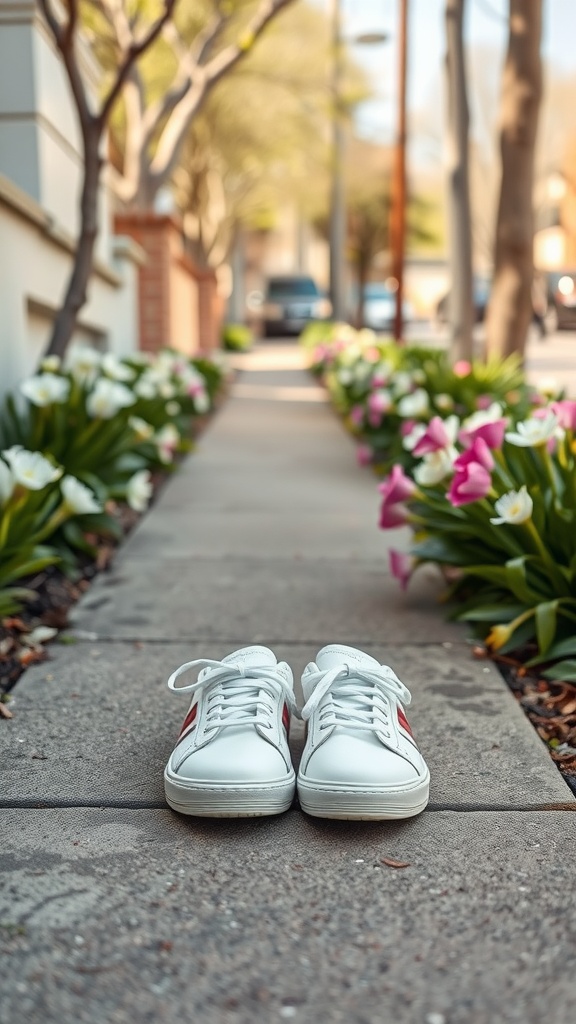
114,909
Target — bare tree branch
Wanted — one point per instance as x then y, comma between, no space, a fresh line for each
203,79
130,56
63,34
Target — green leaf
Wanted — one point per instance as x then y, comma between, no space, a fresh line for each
546,624
491,613
516,578
564,670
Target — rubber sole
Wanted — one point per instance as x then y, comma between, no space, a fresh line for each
235,801
363,805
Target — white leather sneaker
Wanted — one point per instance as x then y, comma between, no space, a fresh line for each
231,759
360,759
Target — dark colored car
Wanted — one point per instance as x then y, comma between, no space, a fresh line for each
290,303
560,300
480,295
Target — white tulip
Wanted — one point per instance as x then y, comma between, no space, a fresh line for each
46,389
402,382
410,441
31,469
483,416
435,467
51,364
78,498
167,440
534,431
6,482
145,387
514,508
116,369
83,363
141,428
139,490
201,402
108,398
416,404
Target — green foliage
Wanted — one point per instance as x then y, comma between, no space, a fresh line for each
79,434
237,338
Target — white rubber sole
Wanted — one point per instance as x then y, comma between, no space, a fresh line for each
233,801
327,800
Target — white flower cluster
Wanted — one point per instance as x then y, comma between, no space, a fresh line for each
33,472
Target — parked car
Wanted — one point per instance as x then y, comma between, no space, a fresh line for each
380,307
560,300
480,295
290,303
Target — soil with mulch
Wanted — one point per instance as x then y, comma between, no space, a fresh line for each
549,704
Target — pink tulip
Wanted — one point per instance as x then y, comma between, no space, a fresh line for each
470,483
364,454
484,402
462,368
492,433
401,566
479,452
392,516
357,415
379,379
433,439
407,426
566,413
396,487
379,403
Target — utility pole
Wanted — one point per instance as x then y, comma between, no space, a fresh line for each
398,211
337,199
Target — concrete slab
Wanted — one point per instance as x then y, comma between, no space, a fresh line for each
96,725
125,916
246,599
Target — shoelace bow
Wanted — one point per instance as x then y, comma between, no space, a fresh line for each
351,686
234,699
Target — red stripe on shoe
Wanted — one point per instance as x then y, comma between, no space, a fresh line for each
286,717
190,717
404,723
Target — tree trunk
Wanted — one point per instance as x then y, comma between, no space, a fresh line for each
510,307
75,297
364,261
461,317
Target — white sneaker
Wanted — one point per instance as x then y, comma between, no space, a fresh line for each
360,759
231,759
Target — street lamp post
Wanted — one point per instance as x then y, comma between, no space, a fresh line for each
337,231
398,211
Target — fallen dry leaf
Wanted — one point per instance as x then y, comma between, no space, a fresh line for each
391,863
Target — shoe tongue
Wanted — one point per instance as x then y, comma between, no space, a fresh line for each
338,654
259,656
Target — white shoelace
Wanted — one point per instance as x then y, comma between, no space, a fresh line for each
232,697
357,697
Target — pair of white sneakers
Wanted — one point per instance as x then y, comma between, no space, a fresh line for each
232,759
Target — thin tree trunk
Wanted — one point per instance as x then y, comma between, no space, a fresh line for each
75,297
461,317
510,307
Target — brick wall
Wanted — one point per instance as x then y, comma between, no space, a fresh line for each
178,303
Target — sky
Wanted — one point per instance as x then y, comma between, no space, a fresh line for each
485,26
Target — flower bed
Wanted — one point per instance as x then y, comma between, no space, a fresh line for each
79,442
483,469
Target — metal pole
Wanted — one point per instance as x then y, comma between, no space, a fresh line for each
337,199
398,212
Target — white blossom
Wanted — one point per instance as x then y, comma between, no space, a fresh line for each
514,508
402,383
139,490
83,362
107,398
116,369
435,467
46,389
141,428
78,498
410,441
31,469
6,482
167,440
534,431
51,364
173,408
416,404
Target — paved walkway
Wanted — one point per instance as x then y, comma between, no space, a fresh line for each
114,909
